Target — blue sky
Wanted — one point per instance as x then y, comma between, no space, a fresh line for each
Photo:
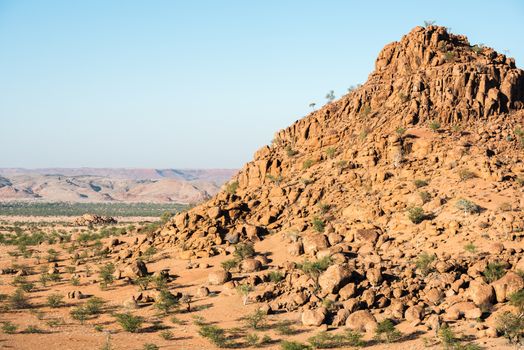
195,84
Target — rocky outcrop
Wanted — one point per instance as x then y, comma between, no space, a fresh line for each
93,219
374,198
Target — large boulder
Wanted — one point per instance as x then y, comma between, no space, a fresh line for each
314,317
312,243
334,278
465,309
136,269
480,293
250,265
414,313
362,321
218,277
507,285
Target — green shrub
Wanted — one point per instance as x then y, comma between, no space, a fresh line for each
293,345
307,164
232,187
52,255
325,340
416,215
291,152
447,337
315,268
423,263
32,329
150,346
425,196
214,334
256,320
449,56
400,130
79,313
160,282
149,253
18,300
331,152
230,264
434,125
478,48
277,180
276,276
167,335
324,208
420,183
365,111
106,274
466,174
284,328
318,224
517,299
143,282
387,332
494,271
94,305
244,290
244,250
470,247
166,301
252,339
55,300
519,134
467,206
129,322
9,327
353,338
511,326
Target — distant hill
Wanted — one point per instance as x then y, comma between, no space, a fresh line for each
107,184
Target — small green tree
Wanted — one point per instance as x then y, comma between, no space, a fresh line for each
494,271
18,300
214,334
230,264
55,300
244,250
129,322
9,327
467,206
318,224
416,215
166,301
387,332
256,320
423,263
232,187
106,275
330,96
244,290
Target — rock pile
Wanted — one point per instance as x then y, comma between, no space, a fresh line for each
93,219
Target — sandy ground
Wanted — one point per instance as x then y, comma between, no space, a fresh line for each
224,309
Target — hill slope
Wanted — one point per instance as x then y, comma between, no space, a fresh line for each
410,185
107,185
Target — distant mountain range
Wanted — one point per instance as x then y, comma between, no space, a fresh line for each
111,184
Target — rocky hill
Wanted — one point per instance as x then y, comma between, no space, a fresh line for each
410,188
107,185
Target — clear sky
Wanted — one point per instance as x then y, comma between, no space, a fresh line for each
196,84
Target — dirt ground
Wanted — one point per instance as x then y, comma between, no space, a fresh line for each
223,307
